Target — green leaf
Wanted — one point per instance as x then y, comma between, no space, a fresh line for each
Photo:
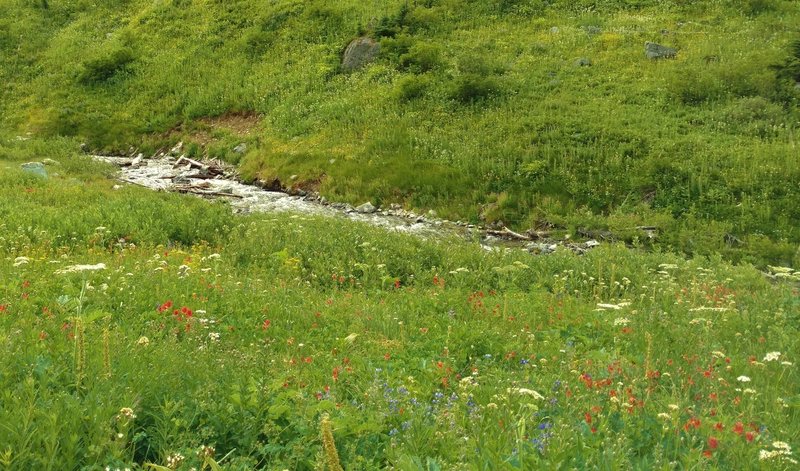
156,467
325,405
278,410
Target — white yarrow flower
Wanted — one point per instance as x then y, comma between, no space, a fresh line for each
527,392
81,268
772,356
743,379
21,261
782,446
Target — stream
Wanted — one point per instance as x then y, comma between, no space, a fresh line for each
166,173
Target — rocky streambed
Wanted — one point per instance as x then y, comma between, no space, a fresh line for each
214,180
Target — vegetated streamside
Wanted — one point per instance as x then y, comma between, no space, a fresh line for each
214,181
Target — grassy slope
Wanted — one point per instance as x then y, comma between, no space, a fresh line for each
475,109
285,293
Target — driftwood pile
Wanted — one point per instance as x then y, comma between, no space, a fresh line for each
193,169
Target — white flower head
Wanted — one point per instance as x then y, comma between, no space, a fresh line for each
743,379
21,261
772,356
782,446
81,268
527,392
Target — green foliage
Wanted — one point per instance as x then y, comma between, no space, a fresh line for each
421,57
474,88
103,68
412,87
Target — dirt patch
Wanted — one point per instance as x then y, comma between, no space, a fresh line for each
311,185
241,124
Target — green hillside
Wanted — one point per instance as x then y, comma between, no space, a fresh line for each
537,114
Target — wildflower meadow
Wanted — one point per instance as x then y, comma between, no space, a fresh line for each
143,330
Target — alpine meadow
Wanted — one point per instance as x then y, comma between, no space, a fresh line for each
401,234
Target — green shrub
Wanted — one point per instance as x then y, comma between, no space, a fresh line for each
412,87
790,68
474,88
757,7
695,87
391,26
421,57
103,68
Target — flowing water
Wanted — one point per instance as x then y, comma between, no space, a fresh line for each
162,174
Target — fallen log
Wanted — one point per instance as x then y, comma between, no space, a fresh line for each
507,233
210,170
196,191
125,180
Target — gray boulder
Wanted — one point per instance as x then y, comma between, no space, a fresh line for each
360,52
366,208
241,148
657,51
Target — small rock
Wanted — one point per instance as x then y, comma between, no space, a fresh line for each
541,248
583,62
593,30
51,162
366,208
590,244
657,51
293,177
360,52
432,213
241,148
138,161
35,168
177,149
116,187
84,148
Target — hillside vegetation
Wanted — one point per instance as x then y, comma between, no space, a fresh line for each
536,113
153,331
